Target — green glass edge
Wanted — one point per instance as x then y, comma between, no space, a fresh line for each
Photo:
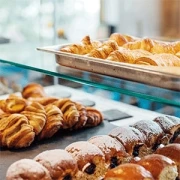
97,85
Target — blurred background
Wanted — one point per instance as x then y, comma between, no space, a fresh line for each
49,22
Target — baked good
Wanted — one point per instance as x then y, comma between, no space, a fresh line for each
94,117
171,129
43,100
163,59
59,163
53,121
127,56
15,131
161,167
90,159
3,104
36,115
70,112
171,151
128,171
33,90
177,140
153,133
114,151
27,169
133,142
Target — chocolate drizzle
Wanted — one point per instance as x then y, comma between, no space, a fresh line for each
90,169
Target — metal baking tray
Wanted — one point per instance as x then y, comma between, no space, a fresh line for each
164,77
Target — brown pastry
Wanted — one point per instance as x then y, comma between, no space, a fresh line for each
113,150
90,159
94,117
127,56
53,121
33,90
128,171
133,142
3,104
177,140
27,169
36,115
59,163
161,167
170,129
163,59
171,151
70,112
1,112
43,100
15,131
153,133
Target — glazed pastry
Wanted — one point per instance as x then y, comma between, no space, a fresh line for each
94,117
104,51
170,129
128,171
153,133
82,48
126,55
43,100
70,112
133,142
1,112
53,121
15,131
59,163
3,104
36,115
171,151
161,167
27,169
33,90
113,150
90,159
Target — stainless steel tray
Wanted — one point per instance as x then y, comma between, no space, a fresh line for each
164,77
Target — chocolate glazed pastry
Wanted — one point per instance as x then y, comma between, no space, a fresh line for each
171,129
27,169
90,160
153,133
113,150
59,163
133,143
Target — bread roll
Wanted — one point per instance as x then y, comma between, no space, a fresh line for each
27,169
113,150
59,163
128,171
90,159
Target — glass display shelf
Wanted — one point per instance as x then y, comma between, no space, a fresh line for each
25,56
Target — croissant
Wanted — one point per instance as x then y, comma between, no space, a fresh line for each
53,122
126,55
70,112
43,100
104,50
33,90
159,60
36,116
15,131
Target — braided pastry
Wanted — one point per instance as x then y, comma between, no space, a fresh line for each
53,122
94,117
15,131
33,90
70,112
36,115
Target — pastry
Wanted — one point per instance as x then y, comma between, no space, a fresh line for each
33,90
94,117
161,167
36,115
133,142
3,104
59,163
128,171
171,151
53,121
15,131
27,169
114,151
177,140
43,100
90,159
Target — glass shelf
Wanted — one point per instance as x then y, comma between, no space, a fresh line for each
26,56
